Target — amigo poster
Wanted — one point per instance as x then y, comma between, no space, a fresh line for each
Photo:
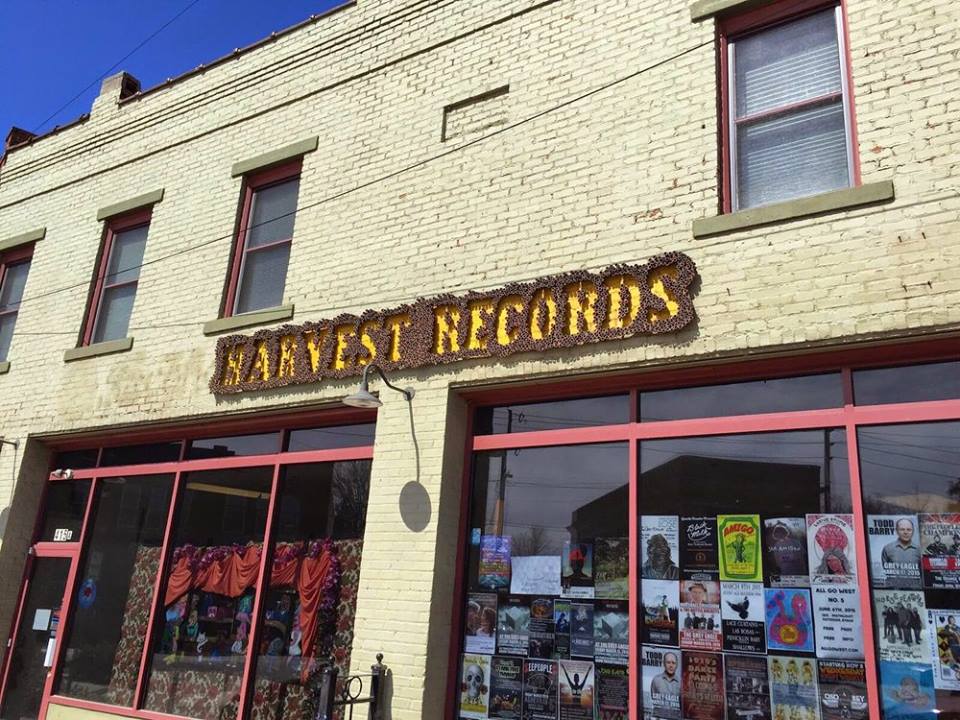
793,687
577,684
742,617
748,687
788,619
506,688
659,547
786,551
581,630
494,570
611,632
894,551
739,540
661,682
513,626
907,691
661,607
940,544
698,548
700,615
576,575
839,630
539,690
830,549
475,687
843,690
561,628
702,680
481,625
903,616
613,690
944,631
611,568
541,635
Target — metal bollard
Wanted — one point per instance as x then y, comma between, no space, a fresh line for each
377,673
327,694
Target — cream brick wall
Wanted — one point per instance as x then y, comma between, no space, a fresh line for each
615,177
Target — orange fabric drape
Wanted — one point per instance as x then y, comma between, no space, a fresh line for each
230,575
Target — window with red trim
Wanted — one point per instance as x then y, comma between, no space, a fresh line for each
788,127
14,267
258,272
118,274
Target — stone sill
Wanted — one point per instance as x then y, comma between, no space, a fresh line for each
97,349
833,201
705,9
258,317
275,157
4,367
134,203
22,239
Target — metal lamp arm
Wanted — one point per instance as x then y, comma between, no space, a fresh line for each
408,393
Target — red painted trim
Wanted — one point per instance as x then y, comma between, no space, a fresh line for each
16,255
770,14
792,107
851,95
565,436
633,594
931,411
726,203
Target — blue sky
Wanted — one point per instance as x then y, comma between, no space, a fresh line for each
51,49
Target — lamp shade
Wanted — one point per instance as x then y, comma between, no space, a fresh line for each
362,399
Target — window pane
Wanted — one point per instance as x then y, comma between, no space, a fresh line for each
7,323
792,155
200,641
264,278
234,446
135,454
320,523
115,309
76,459
112,604
273,212
529,417
14,281
331,438
126,255
812,392
63,510
937,381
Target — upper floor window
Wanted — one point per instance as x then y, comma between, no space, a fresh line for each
787,109
258,272
14,266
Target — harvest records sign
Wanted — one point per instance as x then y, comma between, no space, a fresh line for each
568,310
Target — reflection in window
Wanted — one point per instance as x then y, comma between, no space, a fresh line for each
331,438
136,454
234,446
555,415
64,506
936,381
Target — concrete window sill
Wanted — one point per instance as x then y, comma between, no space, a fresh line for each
274,157
9,243
258,317
793,209
4,367
705,9
97,349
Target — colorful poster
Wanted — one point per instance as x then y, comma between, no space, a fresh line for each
581,630
702,680
541,638
576,578
839,631
611,632
698,548
903,616
741,615
944,633
613,692
843,690
659,547
576,689
535,575
475,687
894,551
907,691
940,544
700,615
539,690
506,688
494,571
739,540
513,626
793,687
786,554
561,628
748,687
789,623
611,568
830,549
660,601
481,623
661,682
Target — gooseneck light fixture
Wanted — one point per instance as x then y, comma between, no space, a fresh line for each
362,397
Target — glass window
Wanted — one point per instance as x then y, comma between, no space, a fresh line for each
13,279
912,383
234,446
137,454
331,438
119,289
77,459
530,417
63,510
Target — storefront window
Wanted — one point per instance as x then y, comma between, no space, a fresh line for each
65,505
935,381
235,446
531,417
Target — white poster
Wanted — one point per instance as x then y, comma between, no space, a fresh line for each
836,622
944,633
830,549
894,551
535,575
660,547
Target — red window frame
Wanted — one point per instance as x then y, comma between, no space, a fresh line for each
731,28
251,184
114,226
16,256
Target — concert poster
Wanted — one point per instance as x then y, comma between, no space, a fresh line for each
611,631
943,627
702,680
561,628
747,687
662,677
700,627
576,574
786,551
475,687
661,608
839,629
843,690
894,551
742,617
902,615
581,630
577,684
698,548
940,544
611,568
506,688
907,691
793,687
830,549
513,626
539,690
613,692
481,623
494,566
739,540
541,635
659,547
788,619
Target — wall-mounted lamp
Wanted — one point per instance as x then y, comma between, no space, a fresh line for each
63,474
362,397
13,443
